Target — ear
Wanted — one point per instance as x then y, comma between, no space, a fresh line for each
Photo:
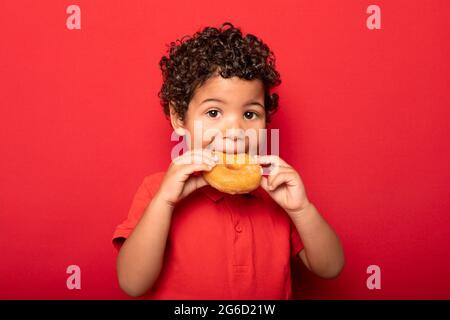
176,121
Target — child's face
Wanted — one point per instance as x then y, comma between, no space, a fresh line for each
221,111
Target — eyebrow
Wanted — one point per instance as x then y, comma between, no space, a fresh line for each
249,103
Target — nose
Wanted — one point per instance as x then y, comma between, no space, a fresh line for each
234,134
233,127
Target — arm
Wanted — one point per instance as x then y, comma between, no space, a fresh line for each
141,256
323,253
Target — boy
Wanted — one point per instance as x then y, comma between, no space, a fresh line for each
184,239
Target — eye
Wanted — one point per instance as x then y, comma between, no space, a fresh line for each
213,113
250,115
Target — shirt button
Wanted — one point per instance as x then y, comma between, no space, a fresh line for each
238,228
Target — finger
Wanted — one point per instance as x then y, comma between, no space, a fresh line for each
192,152
199,182
278,170
271,159
206,153
264,184
193,159
191,168
188,157
279,180
274,170
271,177
196,157
193,183
276,164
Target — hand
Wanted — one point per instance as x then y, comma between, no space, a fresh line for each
284,184
179,180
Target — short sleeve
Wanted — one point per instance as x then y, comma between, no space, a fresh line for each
296,242
141,200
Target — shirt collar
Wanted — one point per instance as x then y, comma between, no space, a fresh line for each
215,195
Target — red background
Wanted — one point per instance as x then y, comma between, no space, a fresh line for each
364,118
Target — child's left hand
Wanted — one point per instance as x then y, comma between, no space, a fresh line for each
284,184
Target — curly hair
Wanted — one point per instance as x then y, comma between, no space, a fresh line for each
225,51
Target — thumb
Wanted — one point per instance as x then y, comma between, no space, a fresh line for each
264,184
193,183
199,181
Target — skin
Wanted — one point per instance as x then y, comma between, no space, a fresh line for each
238,105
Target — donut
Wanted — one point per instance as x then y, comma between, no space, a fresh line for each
234,173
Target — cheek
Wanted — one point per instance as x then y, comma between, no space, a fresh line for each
201,132
260,133
256,124
210,132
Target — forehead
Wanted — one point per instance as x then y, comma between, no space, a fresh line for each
229,89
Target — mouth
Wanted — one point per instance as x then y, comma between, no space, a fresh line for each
228,145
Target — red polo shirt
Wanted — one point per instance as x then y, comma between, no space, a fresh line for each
220,246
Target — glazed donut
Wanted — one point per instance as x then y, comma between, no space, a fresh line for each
234,173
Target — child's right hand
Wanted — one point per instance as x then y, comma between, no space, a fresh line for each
178,181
